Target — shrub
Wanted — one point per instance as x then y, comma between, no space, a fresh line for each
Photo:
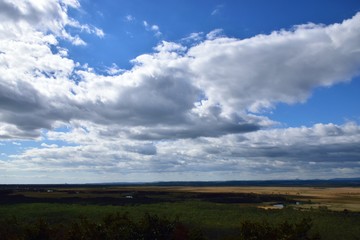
284,231
112,227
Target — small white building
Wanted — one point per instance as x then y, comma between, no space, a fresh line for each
278,206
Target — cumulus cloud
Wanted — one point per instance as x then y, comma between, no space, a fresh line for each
35,72
114,70
195,37
318,151
216,33
165,46
21,17
10,131
304,152
321,143
179,107
49,145
176,92
285,66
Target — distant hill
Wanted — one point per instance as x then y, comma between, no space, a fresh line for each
315,182
336,182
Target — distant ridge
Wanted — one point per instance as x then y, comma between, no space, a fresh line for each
336,182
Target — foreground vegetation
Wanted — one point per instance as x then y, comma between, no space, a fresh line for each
113,213
149,227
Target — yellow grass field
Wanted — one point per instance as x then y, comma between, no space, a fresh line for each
333,198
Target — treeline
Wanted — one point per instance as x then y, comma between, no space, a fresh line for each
149,227
336,182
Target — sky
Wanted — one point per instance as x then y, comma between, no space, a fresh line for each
173,90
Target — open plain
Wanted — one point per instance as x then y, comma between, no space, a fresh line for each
334,198
218,212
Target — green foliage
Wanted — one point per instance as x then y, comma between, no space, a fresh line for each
122,227
40,230
10,229
198,219
284,231
112,227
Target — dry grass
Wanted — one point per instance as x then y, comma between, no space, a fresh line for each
333,198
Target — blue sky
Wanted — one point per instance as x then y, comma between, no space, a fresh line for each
126,39
107,91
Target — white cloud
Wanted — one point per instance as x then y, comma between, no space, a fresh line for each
87,28
10,131
114,70
33,77
165,46
205,90
71,3
217,33
194,37
284,66
129,18
20,18
177,109
49,145
217,10
319,151
153,28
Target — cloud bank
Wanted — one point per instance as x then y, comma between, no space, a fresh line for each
183,108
